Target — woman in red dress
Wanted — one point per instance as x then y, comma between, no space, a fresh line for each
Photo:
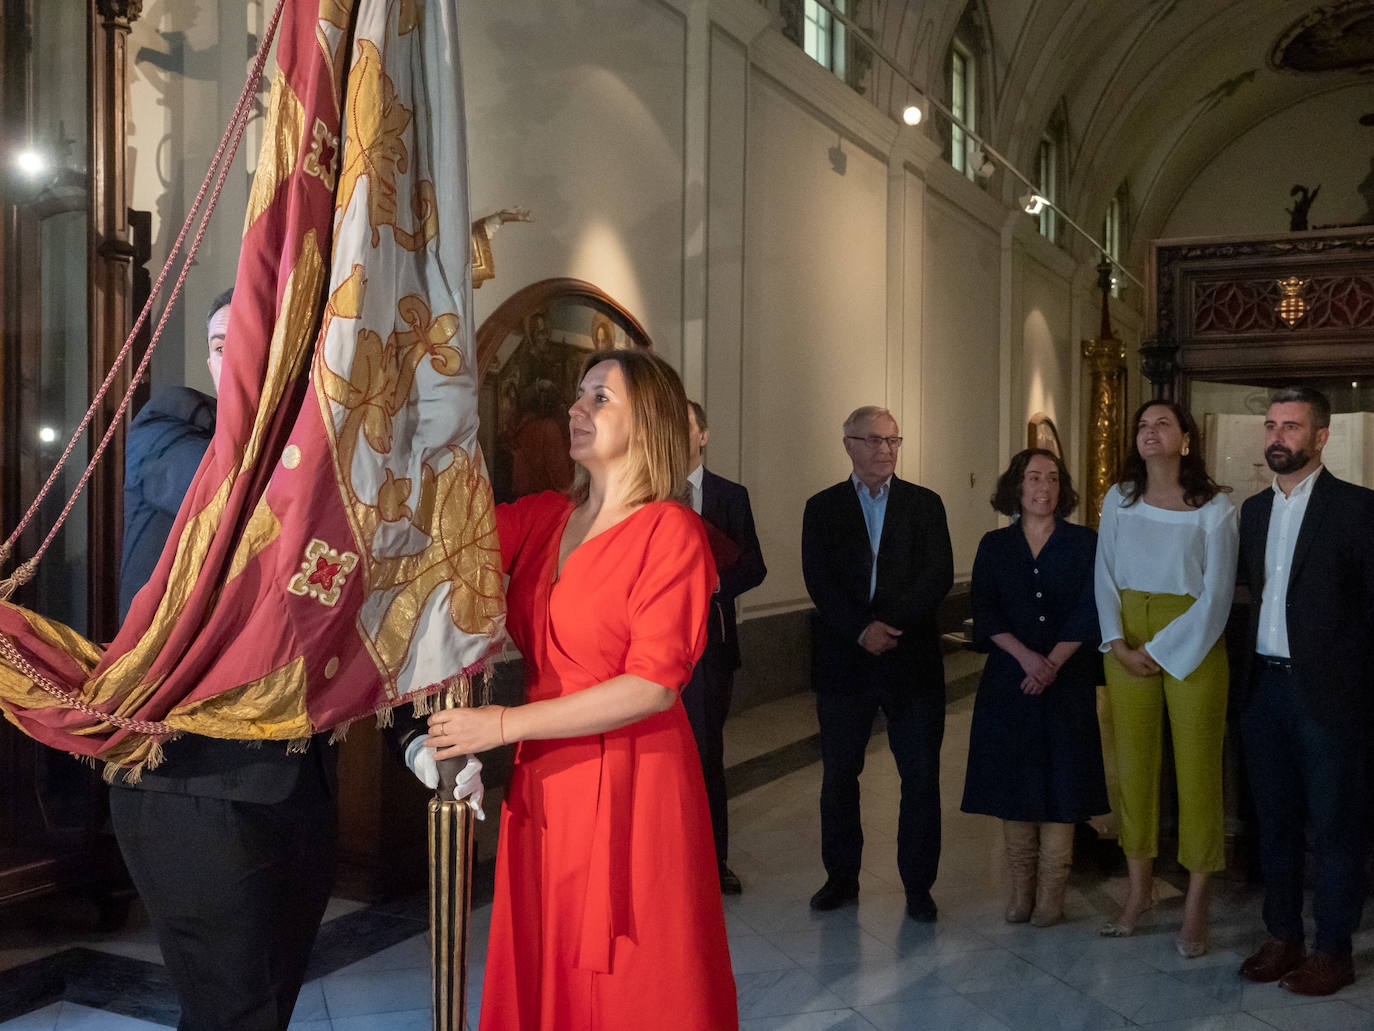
607,911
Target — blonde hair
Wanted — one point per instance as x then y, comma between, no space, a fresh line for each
658,434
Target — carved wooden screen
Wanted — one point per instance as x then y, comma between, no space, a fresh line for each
1265,311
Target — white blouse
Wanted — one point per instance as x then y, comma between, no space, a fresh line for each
1160,551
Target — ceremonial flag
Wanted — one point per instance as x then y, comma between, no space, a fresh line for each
336,553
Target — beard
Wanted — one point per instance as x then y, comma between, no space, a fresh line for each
1283,461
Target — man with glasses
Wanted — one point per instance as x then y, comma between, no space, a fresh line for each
877,561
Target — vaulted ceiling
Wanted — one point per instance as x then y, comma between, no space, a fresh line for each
1149,90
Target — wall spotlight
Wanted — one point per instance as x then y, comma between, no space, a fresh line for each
1032,203
47,434
911,114
31,161
978,161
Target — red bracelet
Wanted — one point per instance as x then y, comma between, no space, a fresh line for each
501,725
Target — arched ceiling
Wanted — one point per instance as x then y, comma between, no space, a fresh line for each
1152,90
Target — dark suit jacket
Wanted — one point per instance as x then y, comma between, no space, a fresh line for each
725,505
915,572
1330,601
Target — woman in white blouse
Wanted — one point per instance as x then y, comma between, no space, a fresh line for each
1166,570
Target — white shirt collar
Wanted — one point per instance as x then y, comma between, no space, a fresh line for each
694,477
1303,487
863,490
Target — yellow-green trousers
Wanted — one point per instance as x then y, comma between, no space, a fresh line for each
1197,724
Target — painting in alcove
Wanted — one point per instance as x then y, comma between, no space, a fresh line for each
528,388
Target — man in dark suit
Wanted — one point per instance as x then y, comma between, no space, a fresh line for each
230,845
877,561
724,506
1307,555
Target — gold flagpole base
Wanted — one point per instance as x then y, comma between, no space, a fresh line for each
450,848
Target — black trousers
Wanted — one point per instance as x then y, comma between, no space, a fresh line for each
235,892
707,701
1301,771
915,731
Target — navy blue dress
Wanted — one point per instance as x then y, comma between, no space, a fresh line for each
1036,758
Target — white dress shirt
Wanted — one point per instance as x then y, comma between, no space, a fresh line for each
694,481
1285,520
1160,551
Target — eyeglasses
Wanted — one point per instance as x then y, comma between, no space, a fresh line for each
876,442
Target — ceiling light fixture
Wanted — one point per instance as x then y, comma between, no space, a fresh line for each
911,114
1032,203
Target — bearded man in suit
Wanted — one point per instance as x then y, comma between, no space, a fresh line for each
724,506
877,560
1307,555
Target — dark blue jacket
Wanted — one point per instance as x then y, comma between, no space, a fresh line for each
166,442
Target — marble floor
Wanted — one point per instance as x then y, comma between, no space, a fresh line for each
861,967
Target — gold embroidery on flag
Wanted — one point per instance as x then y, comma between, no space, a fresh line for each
323,159
375,152
280,149
293,333
269,708
262,529
323,574
463,558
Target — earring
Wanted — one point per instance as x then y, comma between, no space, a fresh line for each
1184,450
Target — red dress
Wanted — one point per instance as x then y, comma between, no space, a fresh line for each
607,912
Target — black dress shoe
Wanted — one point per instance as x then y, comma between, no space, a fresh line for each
729,883
835,893
921,908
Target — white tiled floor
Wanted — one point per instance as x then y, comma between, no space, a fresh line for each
868,966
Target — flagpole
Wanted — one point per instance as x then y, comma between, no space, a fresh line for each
451,828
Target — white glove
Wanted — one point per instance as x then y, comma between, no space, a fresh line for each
468,789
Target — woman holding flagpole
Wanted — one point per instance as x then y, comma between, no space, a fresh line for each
607,910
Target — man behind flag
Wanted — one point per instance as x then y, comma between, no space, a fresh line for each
230,846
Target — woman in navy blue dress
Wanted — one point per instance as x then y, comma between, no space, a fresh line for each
1035,755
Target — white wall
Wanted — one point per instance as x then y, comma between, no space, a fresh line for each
815,317
576,111
187,66
959,401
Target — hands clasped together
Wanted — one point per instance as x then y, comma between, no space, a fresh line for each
879,637
1136,660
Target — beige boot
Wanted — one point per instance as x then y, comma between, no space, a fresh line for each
1023,843
1056,859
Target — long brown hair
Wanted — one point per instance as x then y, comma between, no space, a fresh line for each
1198,486
658,435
